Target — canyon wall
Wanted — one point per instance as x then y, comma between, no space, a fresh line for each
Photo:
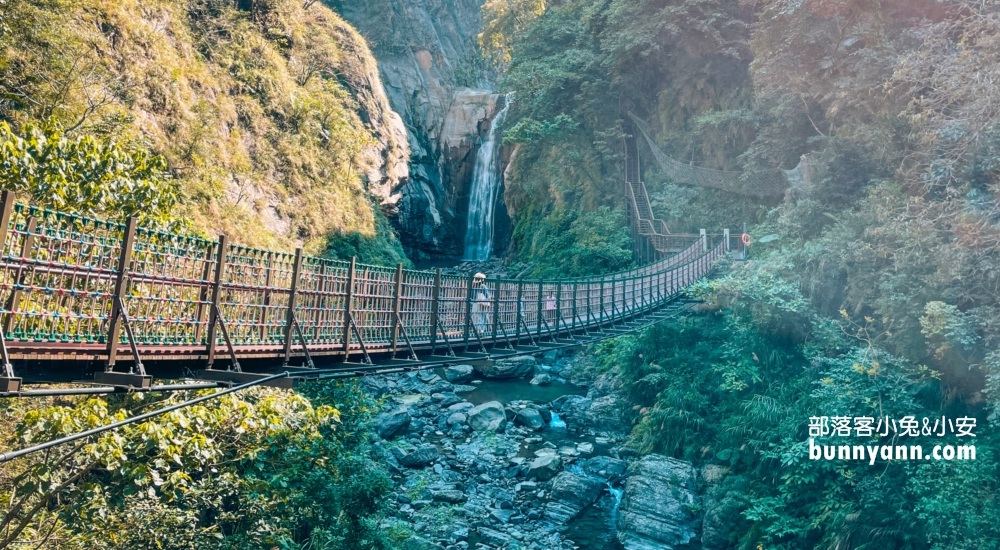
429,66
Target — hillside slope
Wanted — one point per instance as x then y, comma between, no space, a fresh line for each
270,113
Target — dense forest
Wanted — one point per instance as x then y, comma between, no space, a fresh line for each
872,290
875,291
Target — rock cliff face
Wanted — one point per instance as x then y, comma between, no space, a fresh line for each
426,52
656,508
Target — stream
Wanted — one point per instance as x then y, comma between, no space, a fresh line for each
536,473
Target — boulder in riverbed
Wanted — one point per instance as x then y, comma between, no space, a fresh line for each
419,457
458,374
529,418
392,423
544,467
656,506
570,494
511,367
487,417
541,380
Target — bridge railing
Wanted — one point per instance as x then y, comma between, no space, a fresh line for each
78,287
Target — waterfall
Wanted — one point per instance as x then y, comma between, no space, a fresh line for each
557,423
483,193
616,493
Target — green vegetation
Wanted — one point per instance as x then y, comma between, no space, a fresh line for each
246,102
876,293
381,248
92,176
260,469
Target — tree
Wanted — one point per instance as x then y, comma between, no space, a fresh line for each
83,174
503,22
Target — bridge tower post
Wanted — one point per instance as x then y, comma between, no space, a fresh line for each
115,325
704,240
222,249
290,314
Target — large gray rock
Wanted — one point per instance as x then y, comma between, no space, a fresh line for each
511,367
419,457
458,374
544,467
451,496
493,537
541,380
608,414
487,417
392,423
456,419
570,494
529,418
656,507
605,414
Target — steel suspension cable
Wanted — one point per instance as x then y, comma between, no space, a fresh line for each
8,456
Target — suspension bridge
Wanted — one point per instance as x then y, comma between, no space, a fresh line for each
130,299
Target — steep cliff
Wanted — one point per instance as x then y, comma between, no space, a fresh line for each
271,113
427,55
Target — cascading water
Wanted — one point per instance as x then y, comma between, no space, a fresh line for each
483,193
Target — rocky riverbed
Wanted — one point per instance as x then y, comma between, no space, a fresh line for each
525,454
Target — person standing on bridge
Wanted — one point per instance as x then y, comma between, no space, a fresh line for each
481,302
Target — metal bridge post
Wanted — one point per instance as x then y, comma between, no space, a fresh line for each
397,302
124,261
290,315
725,237
435,299
214,309
704,241
348,305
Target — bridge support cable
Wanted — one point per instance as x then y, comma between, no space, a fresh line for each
8,456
